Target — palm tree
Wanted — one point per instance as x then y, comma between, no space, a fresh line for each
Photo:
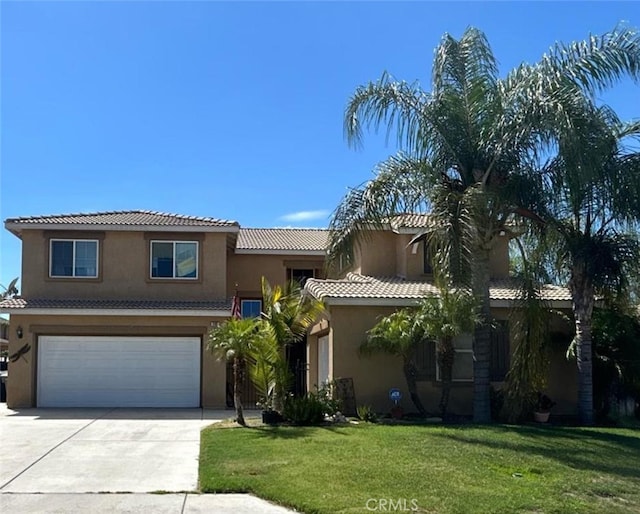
469,149
235,340
398,334
592,221
289,314
443,318
10,291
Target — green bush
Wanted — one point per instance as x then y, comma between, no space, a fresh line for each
304,410
366,413
330,405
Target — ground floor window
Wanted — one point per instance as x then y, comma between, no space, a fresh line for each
463,360
425,361
250,308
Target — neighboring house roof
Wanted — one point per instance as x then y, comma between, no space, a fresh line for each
291,241
116,307
357,289
122,220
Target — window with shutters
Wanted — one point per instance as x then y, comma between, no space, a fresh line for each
426,362
424,358
500,351
426,253
463,359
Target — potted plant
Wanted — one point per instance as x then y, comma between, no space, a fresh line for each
542,409
397,412
269,415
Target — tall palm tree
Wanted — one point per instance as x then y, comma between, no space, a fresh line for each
234,341
469,148
592,222
398,334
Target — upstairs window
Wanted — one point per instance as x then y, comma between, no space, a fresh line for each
426,253
74,258
174,259
301,275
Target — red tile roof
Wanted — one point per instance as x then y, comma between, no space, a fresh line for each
135,218
255,240
361,287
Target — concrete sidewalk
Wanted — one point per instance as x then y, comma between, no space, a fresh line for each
18,503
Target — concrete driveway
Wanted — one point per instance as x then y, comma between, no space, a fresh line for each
53,460
102,450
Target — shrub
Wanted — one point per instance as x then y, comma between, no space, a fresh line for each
366,413
304,410
330,405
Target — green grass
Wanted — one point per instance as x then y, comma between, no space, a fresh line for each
464,469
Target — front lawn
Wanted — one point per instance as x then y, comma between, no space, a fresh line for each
464,469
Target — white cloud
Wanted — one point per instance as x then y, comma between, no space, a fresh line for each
296,217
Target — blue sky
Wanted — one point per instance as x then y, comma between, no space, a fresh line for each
231,110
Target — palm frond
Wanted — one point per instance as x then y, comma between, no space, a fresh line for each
401,185
396,334
395,104
598,62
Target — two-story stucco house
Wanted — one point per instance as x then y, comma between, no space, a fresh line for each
390,273
115,308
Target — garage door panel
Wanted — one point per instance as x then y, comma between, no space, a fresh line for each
118,371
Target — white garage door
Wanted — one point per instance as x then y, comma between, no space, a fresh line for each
118,371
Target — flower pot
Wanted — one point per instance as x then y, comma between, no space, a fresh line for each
271,417
541,417
397,412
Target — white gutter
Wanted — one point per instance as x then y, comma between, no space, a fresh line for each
218,313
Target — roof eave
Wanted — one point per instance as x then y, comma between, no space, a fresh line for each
411,301
17,227
68,311
252,251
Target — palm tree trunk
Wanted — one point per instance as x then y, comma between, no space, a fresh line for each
583,300
482,339
446,355
410,376
237,391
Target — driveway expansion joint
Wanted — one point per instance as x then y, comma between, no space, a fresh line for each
52,449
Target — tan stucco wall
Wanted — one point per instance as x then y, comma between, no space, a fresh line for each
384,253
499,262
21,386
373,376
246,270
125,268
401,255
376,254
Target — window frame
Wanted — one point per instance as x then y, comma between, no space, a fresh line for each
291,271
427,268
457,351
250,300
174,243
73,258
